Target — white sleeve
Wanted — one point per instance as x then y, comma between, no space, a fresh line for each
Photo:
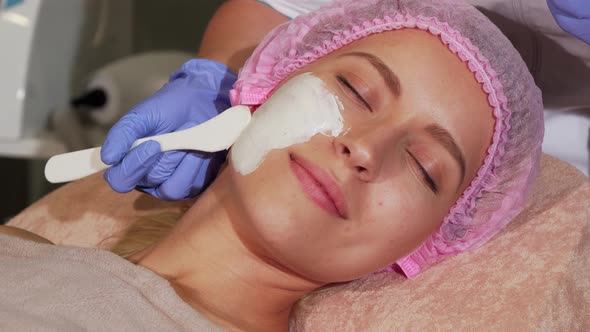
294,8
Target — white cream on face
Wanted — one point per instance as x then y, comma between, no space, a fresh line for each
298,110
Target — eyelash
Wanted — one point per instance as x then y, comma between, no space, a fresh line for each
358,96
425,176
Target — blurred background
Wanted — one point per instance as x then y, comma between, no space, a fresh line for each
55,52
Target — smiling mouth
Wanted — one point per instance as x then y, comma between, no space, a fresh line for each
319,186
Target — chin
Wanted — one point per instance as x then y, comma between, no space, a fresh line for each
276,219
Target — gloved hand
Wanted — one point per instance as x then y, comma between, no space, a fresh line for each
194,94
572,16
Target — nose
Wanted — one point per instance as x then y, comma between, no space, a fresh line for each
360,151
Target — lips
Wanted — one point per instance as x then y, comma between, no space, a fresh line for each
319,186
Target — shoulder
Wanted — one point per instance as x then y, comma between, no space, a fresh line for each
21,233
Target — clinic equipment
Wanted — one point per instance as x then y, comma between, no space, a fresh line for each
48,47
116,88
109,93
214,135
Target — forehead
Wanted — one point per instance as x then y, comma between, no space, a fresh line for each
422,62
415,54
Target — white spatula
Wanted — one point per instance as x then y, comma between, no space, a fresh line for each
217,134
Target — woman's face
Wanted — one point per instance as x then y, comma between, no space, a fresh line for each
419,126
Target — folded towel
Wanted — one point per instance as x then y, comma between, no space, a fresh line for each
53,288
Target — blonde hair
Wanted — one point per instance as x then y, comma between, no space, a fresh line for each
146,231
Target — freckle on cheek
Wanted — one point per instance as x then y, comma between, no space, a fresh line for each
381,203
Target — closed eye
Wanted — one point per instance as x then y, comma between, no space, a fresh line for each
351,88
424,174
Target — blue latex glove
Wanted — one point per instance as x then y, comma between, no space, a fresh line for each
572,16
196,93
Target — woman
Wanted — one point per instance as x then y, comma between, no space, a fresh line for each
442,145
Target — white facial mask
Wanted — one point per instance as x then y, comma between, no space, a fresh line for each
298,110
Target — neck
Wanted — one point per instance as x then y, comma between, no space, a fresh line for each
221,277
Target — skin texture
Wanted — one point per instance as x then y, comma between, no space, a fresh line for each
252,245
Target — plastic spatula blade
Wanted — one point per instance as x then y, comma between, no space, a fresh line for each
217,134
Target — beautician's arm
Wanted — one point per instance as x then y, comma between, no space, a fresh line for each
235,30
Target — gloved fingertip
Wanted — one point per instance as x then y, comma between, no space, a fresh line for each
164,168
125,176
178,185
172,190
109,156
150,148
120,138
114,148
110,176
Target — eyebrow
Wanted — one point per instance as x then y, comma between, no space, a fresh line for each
390,78
444,138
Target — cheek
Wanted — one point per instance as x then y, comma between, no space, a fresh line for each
297,111
264,198
275,217
399,221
